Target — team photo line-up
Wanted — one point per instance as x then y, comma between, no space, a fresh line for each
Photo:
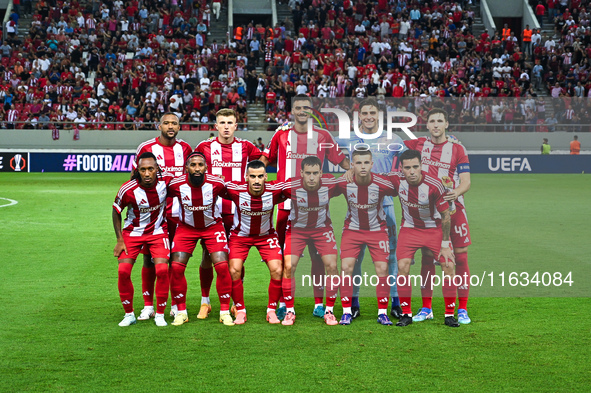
219,193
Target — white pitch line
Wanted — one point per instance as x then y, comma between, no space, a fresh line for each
11,202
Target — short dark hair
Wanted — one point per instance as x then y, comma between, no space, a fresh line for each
169,114
409,155
436,111
360,153
144,155
255,164
301,97
369,101
311,161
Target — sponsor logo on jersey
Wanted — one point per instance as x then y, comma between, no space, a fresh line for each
302,200
297,156
414,205
436,164
220,164
244,204
256,214
352,195
402,192
363,206
186,198
159,158
196,208
311,209
172,169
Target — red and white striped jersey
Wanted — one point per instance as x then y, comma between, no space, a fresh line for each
311,208
421,204
228,161
145,206
254,215
366,211
288,148
197,203
442,159
170,158
12,115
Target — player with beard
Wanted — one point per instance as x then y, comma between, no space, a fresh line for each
144,228
197,193
286,150
253,227
171,153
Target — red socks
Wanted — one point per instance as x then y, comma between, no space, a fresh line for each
449,295
162,287
331,293
317,271
463,270
383,293
148,280
347,291
288,287
223,284
205,278
274,293
178,285
427,271
238,294
405,293
125,286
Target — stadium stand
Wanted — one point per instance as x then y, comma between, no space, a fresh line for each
91,64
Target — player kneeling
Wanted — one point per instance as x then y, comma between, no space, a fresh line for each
425,225
145,198
253,227
197,193
310,225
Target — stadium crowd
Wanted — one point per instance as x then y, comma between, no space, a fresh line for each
94,63
428,50
89,64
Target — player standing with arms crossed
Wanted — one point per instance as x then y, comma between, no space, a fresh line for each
288,147
365,225
310,224
197,192
144,227
253,227
425,225
226,157
170,153
445,160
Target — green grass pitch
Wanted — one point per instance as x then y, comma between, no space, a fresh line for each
60,306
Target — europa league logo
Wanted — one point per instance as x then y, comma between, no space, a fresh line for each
18,163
